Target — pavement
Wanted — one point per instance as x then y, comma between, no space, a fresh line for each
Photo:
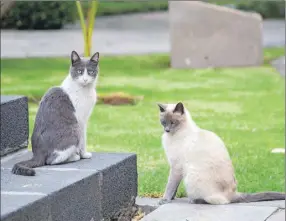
113,35
180,210
279,64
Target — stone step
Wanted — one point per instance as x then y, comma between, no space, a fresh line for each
88,189
14,123
181,210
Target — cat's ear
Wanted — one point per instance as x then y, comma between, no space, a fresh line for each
162,107
74,57
95,57
179,108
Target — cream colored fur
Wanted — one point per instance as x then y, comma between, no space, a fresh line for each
200,158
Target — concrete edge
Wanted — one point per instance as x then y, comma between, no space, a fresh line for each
223,8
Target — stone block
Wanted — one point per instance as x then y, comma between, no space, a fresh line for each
14,123
278,216
121,178
88,189
204,35
196,212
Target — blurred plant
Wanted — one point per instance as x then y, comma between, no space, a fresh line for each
5,7
38,15
87,27
87,30
267,9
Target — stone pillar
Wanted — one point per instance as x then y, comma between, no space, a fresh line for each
14,124
205,35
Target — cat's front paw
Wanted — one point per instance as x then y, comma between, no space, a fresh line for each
86,155
164,201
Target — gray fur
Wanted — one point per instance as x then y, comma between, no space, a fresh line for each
250,197
79,64
55,128
256,197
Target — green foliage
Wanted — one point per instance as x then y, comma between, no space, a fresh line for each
267,9
53,15
39,15
111,8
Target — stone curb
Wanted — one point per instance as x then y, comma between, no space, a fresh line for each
93,188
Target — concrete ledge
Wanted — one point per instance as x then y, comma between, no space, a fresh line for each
180,209
88,189
14,123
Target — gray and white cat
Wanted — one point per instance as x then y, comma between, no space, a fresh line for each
200,158
59,134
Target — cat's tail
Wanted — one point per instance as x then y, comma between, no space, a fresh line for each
25,168
256,197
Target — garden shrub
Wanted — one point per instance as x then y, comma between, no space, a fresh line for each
267,9
39,15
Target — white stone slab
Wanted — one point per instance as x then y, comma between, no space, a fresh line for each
279,216
188,212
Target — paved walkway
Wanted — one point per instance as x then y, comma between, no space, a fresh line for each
125,34
279,64
180,210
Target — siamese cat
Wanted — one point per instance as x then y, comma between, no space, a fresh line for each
199,158
59,134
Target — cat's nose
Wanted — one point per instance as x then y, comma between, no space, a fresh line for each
167,130
85,80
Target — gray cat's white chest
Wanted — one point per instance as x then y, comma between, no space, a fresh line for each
84,104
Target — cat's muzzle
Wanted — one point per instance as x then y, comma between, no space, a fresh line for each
167,130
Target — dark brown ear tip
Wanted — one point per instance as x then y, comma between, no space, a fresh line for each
180,104
161,107
179,108
159,104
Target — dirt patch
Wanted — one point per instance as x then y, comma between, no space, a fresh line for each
118,98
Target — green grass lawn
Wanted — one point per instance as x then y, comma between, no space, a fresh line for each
245,106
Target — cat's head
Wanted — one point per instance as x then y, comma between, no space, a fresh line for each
172,117
84,70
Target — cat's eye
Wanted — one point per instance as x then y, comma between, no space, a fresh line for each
79,71
172,122
91,72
